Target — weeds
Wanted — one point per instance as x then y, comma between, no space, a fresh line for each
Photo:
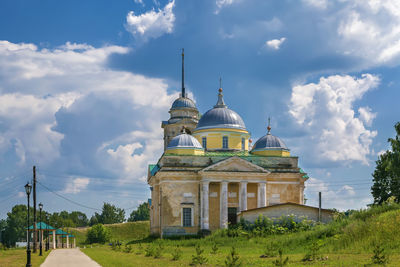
314,251
128,248
157,252
149,251
379,256
139,249
214,248
270,250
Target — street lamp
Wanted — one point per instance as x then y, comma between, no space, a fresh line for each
40,226
28,188
47,228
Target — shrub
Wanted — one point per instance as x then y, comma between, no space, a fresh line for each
280,262
198,259
98,234
314,251
379,256
232,260
128,248
176,253
149,251
157,253
139,249
214,248
270,250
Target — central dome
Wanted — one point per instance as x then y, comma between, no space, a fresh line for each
221,117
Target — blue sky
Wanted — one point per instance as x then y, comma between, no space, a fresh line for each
84,86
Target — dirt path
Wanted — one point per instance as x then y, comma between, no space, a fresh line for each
68,258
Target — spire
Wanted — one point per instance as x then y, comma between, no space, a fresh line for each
183,73
269,125
220,102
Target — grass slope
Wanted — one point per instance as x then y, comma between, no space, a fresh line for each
348,241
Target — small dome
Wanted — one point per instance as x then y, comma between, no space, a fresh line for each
184,141
183,102
269,141
221,117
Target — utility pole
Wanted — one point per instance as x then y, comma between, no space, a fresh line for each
34,211
319,207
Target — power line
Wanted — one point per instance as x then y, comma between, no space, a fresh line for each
72,201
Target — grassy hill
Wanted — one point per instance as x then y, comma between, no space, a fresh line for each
121,231
350,240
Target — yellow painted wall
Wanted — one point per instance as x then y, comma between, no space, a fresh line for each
252,201
233,202
274,153
183,151
213,206
214,138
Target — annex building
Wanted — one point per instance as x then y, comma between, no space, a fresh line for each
209,172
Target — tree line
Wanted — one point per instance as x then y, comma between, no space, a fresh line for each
13,228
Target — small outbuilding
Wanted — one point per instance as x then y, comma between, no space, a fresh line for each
286,209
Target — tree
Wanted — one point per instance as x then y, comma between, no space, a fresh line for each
111,214
98,234
141,214
15,229
387,172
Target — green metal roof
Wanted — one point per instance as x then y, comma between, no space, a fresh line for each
42,225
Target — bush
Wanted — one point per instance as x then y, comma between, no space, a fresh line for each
198,259
379,256
214,248
149,251
157,252
270,250
98,234
280,262
176,253
232,260
314,251
128,248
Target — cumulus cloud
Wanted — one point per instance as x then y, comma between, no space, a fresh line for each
223,3
325,112
76,185
322,4
66,109
275,43
151,24
341,198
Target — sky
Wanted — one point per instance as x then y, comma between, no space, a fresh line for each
84,86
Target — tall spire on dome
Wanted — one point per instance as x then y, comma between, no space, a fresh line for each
269,126
220,102
183,73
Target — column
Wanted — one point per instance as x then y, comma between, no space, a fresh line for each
205,207
223,203
262,195
54,239
74,242
67,241
243,196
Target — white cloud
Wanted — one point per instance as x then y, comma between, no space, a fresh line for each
64,108
325,112
343,198
366,115
139,2
275,43
223,3
322,4
151,24
76,185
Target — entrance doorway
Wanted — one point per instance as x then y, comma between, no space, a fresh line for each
232,216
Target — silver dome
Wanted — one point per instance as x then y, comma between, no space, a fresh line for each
183,102
269,142
221,117
184,141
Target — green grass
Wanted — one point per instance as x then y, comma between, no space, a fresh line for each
121,231
16,257
345,242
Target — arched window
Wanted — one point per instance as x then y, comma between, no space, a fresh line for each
225,142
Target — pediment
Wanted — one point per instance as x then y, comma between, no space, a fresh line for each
234,164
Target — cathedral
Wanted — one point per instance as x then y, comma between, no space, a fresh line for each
210,172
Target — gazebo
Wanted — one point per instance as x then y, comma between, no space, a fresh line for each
43,227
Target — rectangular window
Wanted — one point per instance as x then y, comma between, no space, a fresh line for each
187,217
243,144
225,142
204,142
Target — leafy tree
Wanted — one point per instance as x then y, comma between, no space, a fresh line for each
94,220
110,214
387,172
141,214
79,218
15,228
98,234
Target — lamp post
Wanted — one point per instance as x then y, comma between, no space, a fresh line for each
47,230
40,231
28,188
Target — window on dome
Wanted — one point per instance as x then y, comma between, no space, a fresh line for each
225,142
243,144
204,142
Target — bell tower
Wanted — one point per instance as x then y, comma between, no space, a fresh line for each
182,113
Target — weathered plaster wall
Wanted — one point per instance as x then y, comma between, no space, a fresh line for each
214,197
